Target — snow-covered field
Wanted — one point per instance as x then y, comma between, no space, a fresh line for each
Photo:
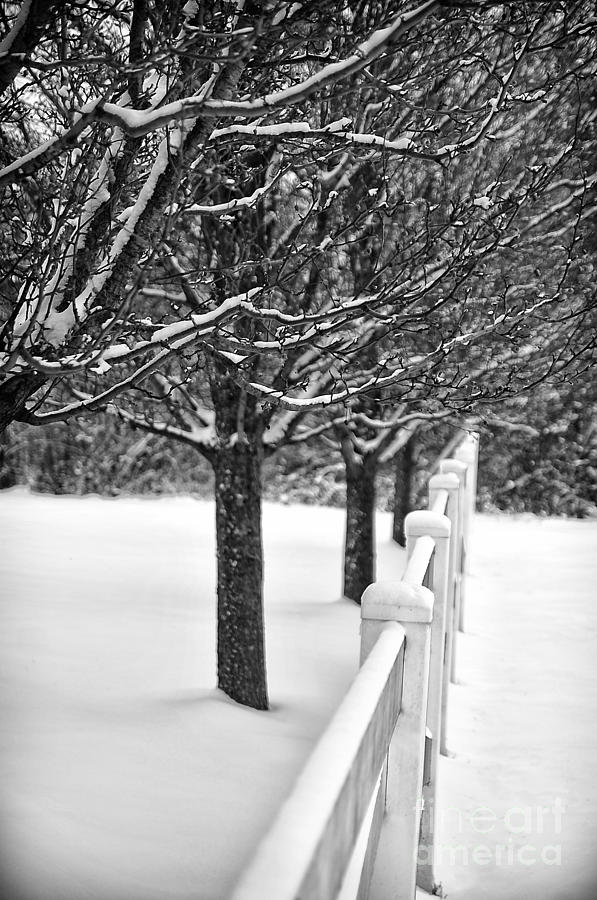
125,775
519,797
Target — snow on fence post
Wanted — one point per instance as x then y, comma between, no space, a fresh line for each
436,526
456,467
450,483
411,605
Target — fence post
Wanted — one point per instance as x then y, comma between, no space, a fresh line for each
436,526
456,467
395,872
450,483
467,453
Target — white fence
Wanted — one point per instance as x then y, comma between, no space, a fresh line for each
360,821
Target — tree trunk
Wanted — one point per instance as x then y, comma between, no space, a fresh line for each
14,393
7,472
359,544
403,490
238,476
241,643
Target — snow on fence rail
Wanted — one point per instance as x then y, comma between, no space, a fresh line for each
360,821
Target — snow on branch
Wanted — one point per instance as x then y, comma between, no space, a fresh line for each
47,152
237,203
203,439
280,129
90,403
137,122
336,132
171,337
58,321
404,371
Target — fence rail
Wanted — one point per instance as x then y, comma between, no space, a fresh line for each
360,821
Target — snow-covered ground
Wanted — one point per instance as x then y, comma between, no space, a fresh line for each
123,772
518,801
125,775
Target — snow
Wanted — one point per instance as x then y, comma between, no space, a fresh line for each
190,9
336,129
200,320
231,205
422,522
374,140
125,773
179,333
522,719
57,324
280,129
101,368
401,601
483,202
97,282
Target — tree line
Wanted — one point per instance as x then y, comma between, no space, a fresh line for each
244,227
